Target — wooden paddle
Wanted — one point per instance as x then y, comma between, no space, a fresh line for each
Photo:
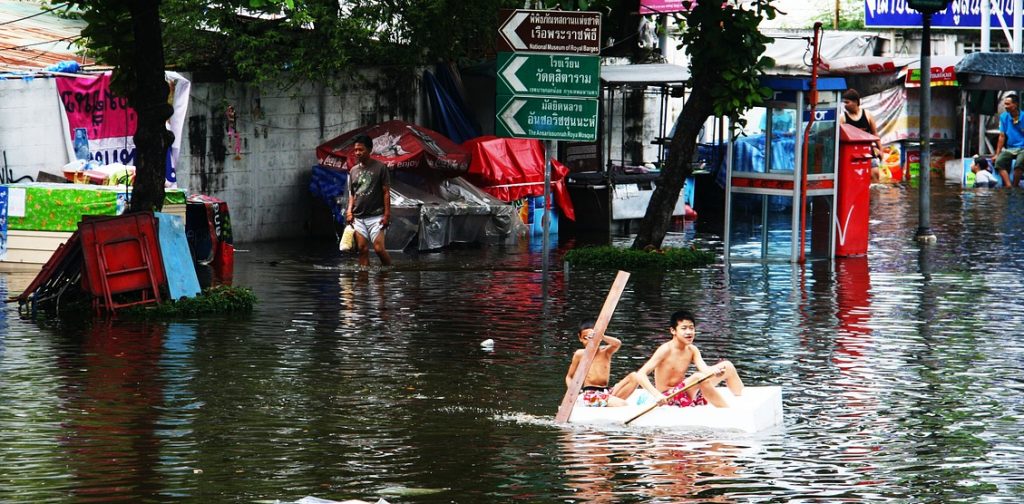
565,409
669,397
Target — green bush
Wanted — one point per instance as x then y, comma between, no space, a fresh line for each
214,300
607,257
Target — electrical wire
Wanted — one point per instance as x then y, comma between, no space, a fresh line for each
40,13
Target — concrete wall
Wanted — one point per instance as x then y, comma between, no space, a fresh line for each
30,130
266,182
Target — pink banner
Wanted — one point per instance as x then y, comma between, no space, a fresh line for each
100,124
661,6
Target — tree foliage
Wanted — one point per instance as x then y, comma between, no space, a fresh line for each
297,40
851,16
726,47
127,35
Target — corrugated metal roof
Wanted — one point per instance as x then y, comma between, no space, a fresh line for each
33,40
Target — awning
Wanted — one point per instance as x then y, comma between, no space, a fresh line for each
649,74
991,71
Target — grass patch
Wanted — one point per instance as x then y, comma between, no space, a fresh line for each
214,300
608,257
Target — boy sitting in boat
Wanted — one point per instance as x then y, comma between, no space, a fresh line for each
595,390
672,360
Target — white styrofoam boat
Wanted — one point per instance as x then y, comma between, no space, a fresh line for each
758,408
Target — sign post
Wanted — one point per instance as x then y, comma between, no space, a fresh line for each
549,71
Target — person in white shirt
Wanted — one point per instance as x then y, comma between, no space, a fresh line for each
982,176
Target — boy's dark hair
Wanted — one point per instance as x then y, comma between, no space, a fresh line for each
586,324
1014,98
852,95
364,139
680,316
981,162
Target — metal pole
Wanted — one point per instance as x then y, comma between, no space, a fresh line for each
663,36
727,231
549,151
986,25
1018,14
798,166
924,230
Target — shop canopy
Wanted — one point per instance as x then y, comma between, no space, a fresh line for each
513,168
400,146
991,71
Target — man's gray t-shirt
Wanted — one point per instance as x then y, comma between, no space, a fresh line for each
366,184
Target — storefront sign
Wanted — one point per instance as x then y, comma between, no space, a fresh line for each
940,77
959,14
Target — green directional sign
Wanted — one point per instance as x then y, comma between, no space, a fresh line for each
548,74
555,118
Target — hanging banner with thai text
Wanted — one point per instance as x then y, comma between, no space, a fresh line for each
661,6
101,125
959,14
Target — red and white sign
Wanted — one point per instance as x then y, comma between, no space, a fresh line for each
98,120
101,126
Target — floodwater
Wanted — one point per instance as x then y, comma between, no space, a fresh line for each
901,375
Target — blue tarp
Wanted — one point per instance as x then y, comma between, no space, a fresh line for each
449,113
328,185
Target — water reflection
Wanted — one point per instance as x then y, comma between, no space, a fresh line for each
111,394
655,468
900,374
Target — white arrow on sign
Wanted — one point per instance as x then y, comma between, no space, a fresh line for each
508,30
509,116
509,73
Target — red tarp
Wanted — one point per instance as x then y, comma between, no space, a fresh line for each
400,146
513,168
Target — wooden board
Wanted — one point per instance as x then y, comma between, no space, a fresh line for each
29,250
565,409
178,268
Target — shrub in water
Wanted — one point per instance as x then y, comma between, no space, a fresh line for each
607,257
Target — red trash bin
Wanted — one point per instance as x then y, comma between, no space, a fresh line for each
853,200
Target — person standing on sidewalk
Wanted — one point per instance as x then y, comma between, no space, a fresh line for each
369,201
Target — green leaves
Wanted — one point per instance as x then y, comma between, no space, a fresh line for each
725,45
614,258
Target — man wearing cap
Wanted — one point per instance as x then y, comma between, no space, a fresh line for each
369,201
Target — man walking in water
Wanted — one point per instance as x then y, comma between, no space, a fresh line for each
369,201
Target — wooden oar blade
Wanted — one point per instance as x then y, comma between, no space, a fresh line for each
565,408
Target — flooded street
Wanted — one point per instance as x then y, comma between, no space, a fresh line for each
901,376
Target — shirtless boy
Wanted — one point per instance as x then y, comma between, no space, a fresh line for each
672,360
595,387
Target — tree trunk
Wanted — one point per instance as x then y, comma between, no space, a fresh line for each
148,95
677,168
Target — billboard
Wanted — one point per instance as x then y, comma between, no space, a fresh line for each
960,14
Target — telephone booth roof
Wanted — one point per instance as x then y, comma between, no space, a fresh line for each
789,83
786,87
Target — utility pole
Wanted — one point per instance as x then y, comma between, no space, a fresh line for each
924,173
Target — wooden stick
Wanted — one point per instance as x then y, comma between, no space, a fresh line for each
565,409
669,397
